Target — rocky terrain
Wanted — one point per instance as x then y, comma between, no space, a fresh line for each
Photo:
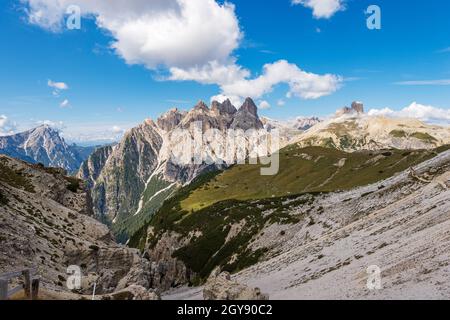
289,130
400,225
215,221
351,129
44,145
46,222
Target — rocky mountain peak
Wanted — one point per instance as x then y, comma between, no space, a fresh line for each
247,117
224,108
249,106
170,119
201,106
356,108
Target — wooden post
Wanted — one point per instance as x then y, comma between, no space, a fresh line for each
27,283
35,289
3,289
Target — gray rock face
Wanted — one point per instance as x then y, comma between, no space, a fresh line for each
358,107
43,145
167,272
118,187
220,287
170,120
91,168
247,117
224,108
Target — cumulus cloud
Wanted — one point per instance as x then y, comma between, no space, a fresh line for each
237,84
211,73
171,33
281,103
193,40
322,9
7,127
418,111
301,83
235,101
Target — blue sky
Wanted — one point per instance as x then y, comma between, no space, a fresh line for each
109,90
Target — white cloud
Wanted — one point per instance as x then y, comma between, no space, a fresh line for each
193,39
264,105
440,82
322,8
64,104
301,84
281,103
171,33
7,127
57,85
211,73
236,84
235,100
418,111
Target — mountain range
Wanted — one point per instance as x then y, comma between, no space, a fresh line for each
343,180
44,145
131,180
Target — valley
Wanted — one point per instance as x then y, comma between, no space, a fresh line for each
334,206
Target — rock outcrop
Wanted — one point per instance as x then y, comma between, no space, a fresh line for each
356,108
46,223
247,117
220,286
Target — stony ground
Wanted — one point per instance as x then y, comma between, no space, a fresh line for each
401,225
45,223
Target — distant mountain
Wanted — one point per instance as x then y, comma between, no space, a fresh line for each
350,130
290,129
44,145
130,181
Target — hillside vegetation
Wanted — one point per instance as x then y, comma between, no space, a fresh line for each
219,214
311,169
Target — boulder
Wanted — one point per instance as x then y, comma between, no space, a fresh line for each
220,287
133,292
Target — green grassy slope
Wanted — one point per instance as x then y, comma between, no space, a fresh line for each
310,169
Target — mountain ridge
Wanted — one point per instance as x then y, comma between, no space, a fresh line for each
44,145
138,174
